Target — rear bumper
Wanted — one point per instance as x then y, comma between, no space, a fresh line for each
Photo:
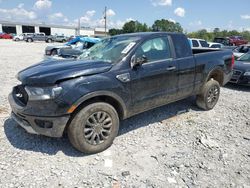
47,126
227,77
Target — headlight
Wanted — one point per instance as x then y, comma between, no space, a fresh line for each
247,73
43,93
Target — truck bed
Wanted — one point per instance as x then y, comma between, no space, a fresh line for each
204,50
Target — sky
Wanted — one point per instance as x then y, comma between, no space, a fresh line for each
193,15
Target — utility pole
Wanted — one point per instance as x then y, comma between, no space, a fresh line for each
105,19
79,27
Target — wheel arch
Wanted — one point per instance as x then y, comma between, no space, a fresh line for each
102,96
216,74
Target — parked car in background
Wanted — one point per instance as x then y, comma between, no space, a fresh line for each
215,45
237,40
21,36
116,79
241,70
38,37
78,43
239,51
222,40
6,36
198,43
60,38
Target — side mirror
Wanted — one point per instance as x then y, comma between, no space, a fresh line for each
136,61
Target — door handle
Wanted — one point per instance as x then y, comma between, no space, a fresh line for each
171,68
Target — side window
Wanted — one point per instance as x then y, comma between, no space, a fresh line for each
204,43
195,43
215,46
154,49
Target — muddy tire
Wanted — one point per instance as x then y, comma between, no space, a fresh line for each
209,95
94,128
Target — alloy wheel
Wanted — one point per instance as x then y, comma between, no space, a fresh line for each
97,128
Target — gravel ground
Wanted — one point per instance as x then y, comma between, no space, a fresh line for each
173,146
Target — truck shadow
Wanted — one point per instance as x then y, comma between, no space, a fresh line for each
20,139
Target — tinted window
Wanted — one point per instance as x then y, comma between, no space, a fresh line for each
204,43
154,49
215,46
195,43
181,45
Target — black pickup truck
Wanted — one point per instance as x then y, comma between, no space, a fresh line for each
117,78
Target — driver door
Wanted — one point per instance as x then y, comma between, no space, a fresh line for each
155,81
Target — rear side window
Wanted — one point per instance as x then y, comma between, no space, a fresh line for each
195,43
181,45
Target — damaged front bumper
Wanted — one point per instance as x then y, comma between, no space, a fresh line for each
47,126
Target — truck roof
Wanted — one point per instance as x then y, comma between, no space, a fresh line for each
147,34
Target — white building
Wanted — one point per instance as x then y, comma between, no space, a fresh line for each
48,29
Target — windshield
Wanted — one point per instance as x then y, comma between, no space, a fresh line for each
110,49
245,57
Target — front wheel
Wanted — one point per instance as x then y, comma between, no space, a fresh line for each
94,128
209,95
53,52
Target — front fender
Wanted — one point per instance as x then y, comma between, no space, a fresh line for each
110,94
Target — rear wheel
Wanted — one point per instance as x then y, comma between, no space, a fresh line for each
49,40
209,95
30,40
94,128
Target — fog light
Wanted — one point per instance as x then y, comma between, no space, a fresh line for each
44,124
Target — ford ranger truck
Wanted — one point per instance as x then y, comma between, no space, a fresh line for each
119,77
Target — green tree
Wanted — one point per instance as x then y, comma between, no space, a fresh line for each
129,27
166,25
209,36
115,31
134,26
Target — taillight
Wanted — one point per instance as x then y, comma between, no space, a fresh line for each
233,61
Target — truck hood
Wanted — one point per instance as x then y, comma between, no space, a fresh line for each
50,71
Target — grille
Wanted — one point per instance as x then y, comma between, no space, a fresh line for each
237,73
236,76
20,95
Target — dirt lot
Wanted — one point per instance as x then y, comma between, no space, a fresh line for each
159,148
